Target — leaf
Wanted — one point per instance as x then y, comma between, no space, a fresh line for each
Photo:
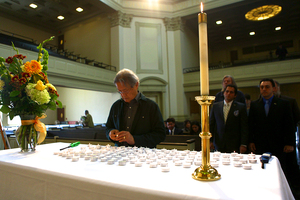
11,115
59,103
5,109
14,93
12,44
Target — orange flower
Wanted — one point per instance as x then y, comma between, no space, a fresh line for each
33,67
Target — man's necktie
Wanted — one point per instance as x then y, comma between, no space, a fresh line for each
226,110
267,106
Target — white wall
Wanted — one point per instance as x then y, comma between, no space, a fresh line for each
189,49
76,101
130,51
24,30
90,39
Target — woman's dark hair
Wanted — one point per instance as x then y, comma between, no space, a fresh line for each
195,123
187,121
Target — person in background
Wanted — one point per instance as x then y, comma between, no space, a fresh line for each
187,127
281,52
166,127
172,129
293,167
134,120
226,81
88,120
229,124
248,102
293,103
196,128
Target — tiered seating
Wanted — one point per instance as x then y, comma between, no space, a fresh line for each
53,51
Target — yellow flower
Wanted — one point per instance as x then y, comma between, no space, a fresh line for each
1,84
50,86
33,67
40,85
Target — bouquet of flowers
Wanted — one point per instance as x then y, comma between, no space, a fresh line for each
26,91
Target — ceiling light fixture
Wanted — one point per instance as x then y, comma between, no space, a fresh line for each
263,12
60,17
32,5
252,33
228,38
219,22
79,9
278,28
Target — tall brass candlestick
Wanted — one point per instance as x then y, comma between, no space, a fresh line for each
205,172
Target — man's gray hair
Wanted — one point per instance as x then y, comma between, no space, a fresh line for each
232,80
126,77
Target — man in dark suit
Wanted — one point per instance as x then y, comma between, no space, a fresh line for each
272,130
172,130
229,123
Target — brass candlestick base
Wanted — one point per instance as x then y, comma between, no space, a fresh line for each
205,172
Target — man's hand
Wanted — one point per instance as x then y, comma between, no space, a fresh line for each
252,147
113,134
125,136
212,147
288,149
243,149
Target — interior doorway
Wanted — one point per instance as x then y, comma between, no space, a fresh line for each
61,42
61,114
233,56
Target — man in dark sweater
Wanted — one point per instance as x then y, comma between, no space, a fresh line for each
134,120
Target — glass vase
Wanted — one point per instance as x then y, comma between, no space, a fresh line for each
26,134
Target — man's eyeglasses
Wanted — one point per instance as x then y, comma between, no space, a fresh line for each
124,91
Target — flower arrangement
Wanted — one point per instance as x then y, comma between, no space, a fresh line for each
26,91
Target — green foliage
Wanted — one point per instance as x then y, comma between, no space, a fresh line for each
17,85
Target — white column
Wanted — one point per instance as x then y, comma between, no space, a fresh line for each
177,99
119,22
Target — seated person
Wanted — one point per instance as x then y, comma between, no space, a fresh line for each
187,127
196,128
172,130
88,120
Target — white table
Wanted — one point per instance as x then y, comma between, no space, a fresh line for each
43,175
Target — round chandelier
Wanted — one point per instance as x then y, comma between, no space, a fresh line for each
263,12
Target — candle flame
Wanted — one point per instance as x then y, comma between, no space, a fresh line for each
201,7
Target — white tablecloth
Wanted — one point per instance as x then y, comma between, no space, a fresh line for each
43,175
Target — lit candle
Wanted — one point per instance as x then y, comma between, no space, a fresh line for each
203,52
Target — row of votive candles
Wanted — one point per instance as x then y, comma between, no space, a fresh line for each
134,155
239,160
153,157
